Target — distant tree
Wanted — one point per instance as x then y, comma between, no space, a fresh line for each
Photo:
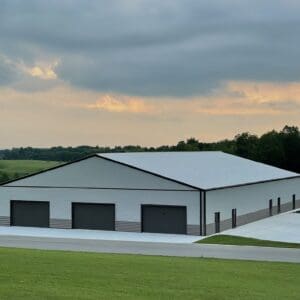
290,136
271,150
180,146
227,146
192,145
246,145
281,149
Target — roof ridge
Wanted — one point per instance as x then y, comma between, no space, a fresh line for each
161,152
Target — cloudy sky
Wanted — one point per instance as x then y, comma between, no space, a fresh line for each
146,72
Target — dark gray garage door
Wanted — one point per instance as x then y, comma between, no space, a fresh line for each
93,216
29,213
164,219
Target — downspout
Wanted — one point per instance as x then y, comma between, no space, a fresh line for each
200,212
203,213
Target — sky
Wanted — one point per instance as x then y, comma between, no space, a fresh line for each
146,72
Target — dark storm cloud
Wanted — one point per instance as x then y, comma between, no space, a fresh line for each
170,48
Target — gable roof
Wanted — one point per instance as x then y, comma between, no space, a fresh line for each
205,170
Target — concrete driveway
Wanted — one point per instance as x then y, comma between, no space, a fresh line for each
284,227
97,235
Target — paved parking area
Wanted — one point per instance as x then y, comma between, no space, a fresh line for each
283,227
164,249
97,235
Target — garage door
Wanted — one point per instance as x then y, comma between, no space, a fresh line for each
93,216
164,219
29,213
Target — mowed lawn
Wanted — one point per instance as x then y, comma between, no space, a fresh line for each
35,274
245,241
18,168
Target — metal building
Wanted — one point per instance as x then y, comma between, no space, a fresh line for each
195,193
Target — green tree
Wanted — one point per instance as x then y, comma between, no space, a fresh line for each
271,149
290,136
246,145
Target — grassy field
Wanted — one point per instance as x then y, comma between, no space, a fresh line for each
244,241
11,169
34,274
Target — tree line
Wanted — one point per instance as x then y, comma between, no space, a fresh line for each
277,148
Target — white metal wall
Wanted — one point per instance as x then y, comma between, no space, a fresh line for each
128,202
249,198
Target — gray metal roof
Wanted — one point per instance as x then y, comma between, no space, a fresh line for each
202,169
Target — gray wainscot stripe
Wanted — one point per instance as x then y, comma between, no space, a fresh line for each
61,223
128,226
251,217
4,221
193,229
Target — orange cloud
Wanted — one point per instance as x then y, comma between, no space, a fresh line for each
265,92
65,113
44,71
123,104
235,98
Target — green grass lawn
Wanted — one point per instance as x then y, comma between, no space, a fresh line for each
11,169
35,274
244,241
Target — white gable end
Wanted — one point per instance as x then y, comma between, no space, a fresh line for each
96,172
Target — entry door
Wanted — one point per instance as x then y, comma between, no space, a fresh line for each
93,216
164,219
29,213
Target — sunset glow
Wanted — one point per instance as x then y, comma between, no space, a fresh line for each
92,76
